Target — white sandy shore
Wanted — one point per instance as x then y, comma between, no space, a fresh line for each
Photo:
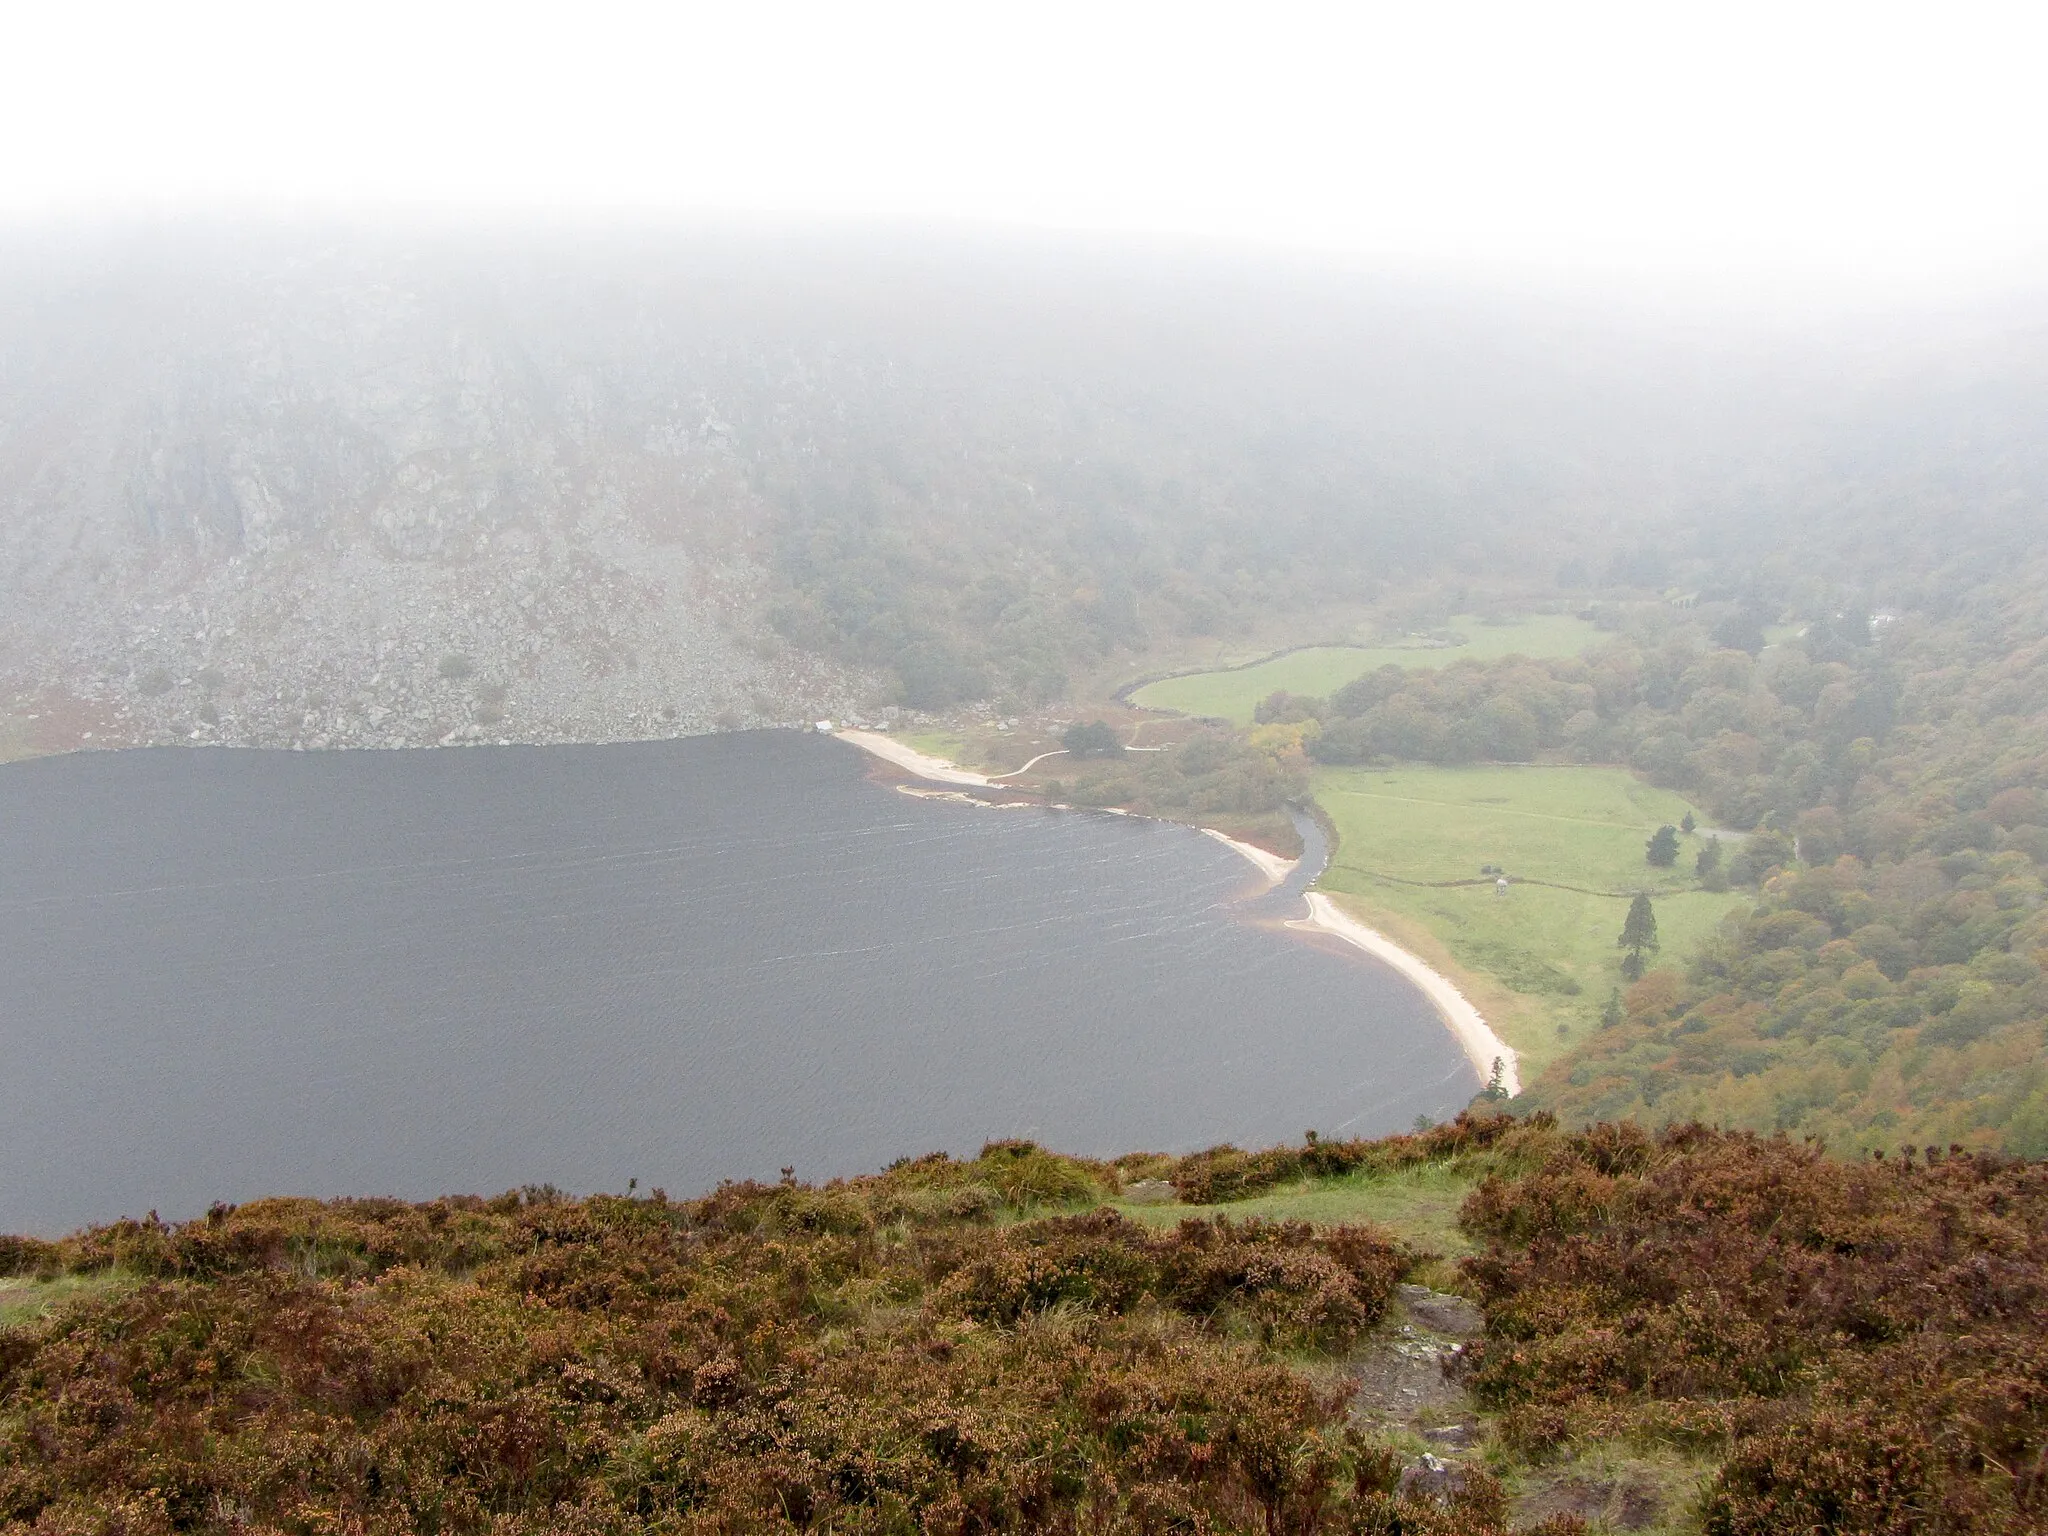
1271,865
1481,1045
936,769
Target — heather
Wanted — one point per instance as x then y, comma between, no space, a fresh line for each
1859,1340
993,1344
880,1354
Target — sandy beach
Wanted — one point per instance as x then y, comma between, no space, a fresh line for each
1481,1045
1271,865
889,750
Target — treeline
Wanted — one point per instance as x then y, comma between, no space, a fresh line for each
978,1345
1859,1002
1215,777
1758,739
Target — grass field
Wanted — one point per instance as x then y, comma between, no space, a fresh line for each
1535,958
1321,670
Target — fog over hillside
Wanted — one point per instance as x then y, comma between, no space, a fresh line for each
324,488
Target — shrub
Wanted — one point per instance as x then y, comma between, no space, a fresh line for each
1095,739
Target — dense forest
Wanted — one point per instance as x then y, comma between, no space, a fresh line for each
987,1345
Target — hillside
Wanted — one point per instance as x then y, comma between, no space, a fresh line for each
1695,1331
315,487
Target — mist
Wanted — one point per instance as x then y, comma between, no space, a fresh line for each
1757,151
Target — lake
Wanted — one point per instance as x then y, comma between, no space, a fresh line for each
226,974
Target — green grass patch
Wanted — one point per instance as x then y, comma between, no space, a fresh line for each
1419,1205
1549,954
23,1301
1322,670
1567,825
934,744
1653,1489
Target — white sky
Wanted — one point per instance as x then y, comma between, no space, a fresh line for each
1855,141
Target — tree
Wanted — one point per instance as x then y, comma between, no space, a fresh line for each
1742,630
1662,849
1283,708
1638,933
1496,1083
1709,858
1095,739
1610,1011
1688,823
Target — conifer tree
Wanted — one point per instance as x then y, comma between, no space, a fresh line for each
1638,933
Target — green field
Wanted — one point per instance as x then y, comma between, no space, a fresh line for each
1321,670
1536,957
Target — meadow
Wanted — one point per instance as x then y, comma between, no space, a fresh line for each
1321,670
1540,958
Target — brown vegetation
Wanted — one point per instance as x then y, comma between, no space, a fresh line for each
1861,1342
1856,1346
872,1355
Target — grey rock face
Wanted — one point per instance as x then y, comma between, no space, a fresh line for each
314,497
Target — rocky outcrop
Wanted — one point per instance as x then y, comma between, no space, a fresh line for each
293,496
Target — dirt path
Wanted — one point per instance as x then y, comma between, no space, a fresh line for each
1055,752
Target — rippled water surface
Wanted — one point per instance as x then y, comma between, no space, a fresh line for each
225,974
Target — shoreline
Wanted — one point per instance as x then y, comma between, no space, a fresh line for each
1475,1037
937,769
1271,865
1482,1047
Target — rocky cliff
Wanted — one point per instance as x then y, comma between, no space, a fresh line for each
326,496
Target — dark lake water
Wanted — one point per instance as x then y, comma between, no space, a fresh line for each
225,974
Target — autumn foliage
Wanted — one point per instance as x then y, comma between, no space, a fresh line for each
1862,1340
1850,1346
872,1355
